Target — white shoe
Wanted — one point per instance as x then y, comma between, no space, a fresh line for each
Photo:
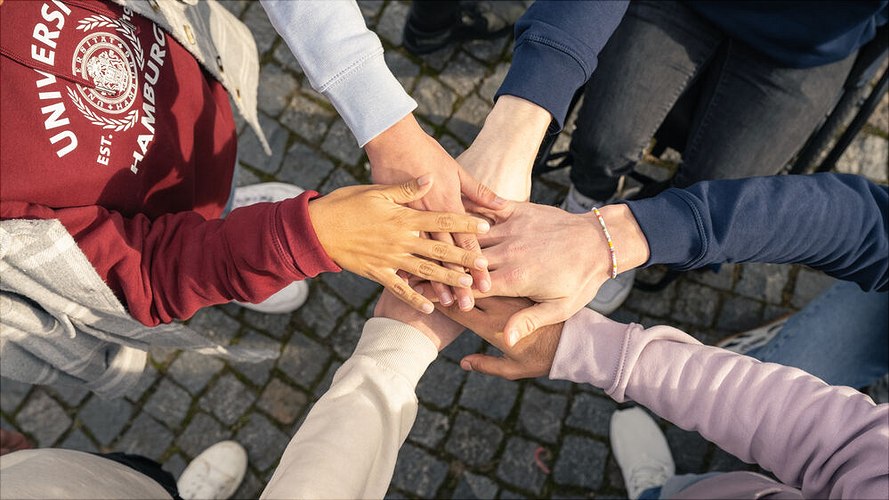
215,473
744,342
293,296
613,293
640,450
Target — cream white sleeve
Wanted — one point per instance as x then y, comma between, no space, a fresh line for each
348,444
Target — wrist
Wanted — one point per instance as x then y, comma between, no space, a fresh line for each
518,121
630,245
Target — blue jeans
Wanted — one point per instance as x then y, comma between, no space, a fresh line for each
841,337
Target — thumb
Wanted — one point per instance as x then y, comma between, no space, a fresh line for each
489,365
478,193
409,191
524,322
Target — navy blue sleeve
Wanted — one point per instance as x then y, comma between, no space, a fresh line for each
557,44
831,222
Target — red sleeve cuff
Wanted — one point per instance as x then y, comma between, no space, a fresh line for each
296,236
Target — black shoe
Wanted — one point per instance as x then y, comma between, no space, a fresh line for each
475,22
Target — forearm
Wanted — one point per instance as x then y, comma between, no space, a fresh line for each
830,441
343,61
348,444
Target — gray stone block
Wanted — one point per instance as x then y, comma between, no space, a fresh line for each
345,338
469,118
764,282
436,101
723,279
404,69
257,373
215,325
251,486
282,402
43,419
105,418
12,393
591,413
391,23
145,437
175,465
518,466
341,144
339,178
473,486
245,176
440,383
307,118
79,441
739,314
263,441
258,23
250,151
303,360
726,462
228,398
353,289
418,472
275,325
652,303
305,167
327,380
193,370
370,9
689,450
202,432
489,51
466,344
581,463
541,414
321,312
285,57
430,428
492,82
694,304
451,145
69,395
867,154
439,59
149,376
169,403
462,74
561,386
809,284
275,88
473,441
491,396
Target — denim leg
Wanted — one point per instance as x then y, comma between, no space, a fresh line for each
754,115
841,337
655,53
675,484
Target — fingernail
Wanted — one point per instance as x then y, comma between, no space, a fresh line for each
427,308
513,337
466,366
465,281
481,263
424,179
484,227
484,285
446,298
465,303
420,289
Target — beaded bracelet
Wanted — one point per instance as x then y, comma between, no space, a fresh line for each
610,242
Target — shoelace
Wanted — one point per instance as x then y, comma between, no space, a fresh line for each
648,476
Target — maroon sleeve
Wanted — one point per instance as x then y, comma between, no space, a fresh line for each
169,268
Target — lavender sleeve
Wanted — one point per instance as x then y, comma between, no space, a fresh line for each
829,441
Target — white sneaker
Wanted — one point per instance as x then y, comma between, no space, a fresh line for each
215,473
744,342
293,296
640,450
613,293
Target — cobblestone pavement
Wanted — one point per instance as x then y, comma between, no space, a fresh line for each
475,436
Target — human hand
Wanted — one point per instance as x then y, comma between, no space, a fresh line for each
365,230
530,357
436,326
502,155
403,152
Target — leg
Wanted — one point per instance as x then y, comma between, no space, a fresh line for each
839,337
433,15
754,115
655,53
148,467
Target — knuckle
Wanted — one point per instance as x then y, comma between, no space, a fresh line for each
425,270
445,222
468,260
470,244
516,275
439,251
399,289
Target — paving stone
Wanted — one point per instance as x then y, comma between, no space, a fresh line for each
418,472
404,69
149,376
473,441
763,281
868,153
228,398
215,325
202,432
430,427
305,168
462,74
263,32
591,413
518,466
245,176
615,477
344,340
70,395
392,21
321,312
581,463
257,373
341,144
739,314
275,88
251,486
486,50
193,370
545,194
491,396
327,380
43,419
263,441
285,57
282,402
169,403
880,118
809,284
474,486
175,465
652,303
370,9
303,360
146,437
250,150
689,450
726,462
276,325
694,304
105,418
722,279
439,59
353,289
492,82
79,441
451,145
466,344
541,414
561,386
12,393
339,178
162,355
434,99
772,313
469,118
512,495
307,118
440,383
